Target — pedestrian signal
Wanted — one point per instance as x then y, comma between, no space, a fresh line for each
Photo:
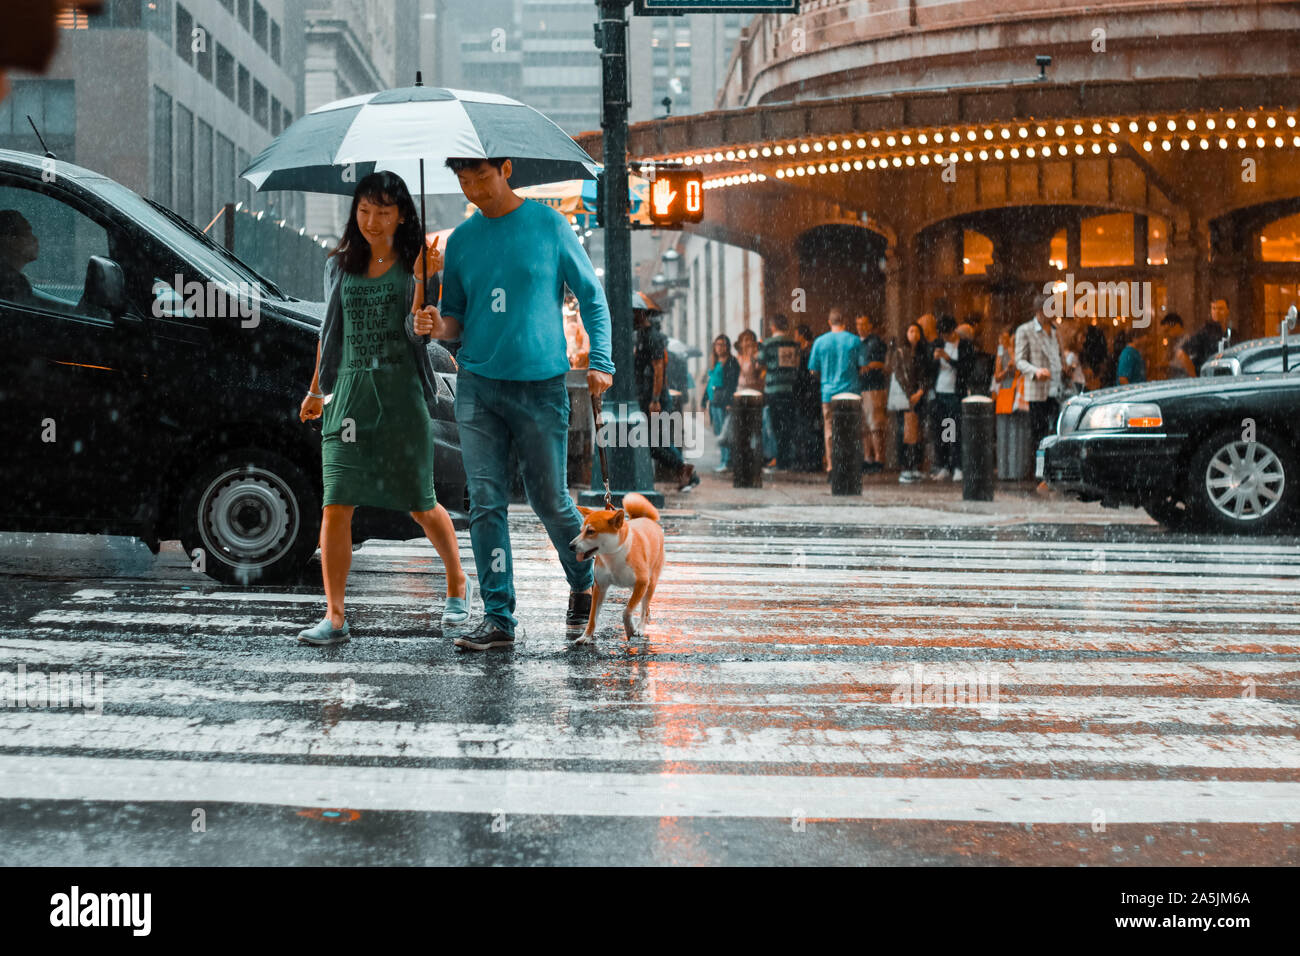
676,196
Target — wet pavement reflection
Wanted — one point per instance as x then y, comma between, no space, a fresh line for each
805,694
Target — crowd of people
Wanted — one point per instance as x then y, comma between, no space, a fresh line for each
913,386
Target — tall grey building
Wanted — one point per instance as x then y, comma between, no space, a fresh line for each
352,47
540,52
681,59
170,98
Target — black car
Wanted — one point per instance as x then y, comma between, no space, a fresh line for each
129,404
1256,357
1219,453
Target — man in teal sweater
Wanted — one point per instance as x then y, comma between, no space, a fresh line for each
503,281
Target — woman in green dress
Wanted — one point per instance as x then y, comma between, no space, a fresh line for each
376,433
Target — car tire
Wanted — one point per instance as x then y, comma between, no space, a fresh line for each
1243,487
253,514
1171,512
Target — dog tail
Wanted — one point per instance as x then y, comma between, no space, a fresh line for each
638,506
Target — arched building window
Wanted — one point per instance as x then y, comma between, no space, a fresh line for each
977,252
1279,241
1060,253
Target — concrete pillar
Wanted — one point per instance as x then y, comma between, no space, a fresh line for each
897,266
1187,275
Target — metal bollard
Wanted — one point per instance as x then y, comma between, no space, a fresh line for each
846,444
978,456
747,439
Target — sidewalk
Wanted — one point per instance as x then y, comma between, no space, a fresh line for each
803,497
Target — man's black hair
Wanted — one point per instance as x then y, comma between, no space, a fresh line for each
458,163
945,324
1173,318
780,322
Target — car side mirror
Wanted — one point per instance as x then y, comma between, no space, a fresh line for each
105,285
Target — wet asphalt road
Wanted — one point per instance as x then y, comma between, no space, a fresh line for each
1041,694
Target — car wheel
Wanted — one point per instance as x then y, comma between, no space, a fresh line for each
1170,511
1241,486
253,514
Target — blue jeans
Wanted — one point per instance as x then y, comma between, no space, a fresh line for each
717,418
491,414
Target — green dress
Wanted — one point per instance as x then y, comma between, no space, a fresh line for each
376,433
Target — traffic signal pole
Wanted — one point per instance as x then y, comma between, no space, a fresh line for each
629,467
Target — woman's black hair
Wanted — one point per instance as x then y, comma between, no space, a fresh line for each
385,189
716,340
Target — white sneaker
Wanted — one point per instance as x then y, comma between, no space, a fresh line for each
720,469
943,474
909,477
956,475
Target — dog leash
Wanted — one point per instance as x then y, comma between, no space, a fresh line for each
600,450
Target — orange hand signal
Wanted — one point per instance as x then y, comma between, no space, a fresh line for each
662,195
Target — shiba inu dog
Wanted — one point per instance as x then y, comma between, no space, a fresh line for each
628,548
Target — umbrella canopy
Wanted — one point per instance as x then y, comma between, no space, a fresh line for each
643,303
330,149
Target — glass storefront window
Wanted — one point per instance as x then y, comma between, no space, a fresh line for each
1106,240
1280,240
1278,297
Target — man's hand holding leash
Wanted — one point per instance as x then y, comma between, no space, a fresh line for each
598,382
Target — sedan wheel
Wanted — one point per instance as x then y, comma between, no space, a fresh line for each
254,516
1243,486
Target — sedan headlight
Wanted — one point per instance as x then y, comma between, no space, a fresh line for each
1116,415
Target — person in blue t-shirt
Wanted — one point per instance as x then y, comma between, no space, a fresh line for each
1131,368
504,274
834,359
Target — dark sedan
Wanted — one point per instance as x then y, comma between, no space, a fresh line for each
1256,357
129,408
1218,453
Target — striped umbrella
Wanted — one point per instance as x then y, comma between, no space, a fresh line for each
333,147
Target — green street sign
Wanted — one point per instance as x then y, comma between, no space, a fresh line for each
650,8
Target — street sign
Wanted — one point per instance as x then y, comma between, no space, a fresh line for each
676,196
651,8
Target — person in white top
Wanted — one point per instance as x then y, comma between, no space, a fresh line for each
1038,356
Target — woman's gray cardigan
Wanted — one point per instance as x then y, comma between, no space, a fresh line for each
331,334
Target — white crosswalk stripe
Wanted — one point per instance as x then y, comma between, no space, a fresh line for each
839,677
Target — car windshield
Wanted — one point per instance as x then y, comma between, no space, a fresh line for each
203,237
198,246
